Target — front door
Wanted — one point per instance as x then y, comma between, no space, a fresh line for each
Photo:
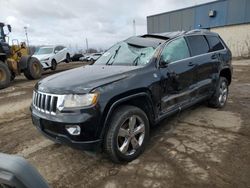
178,75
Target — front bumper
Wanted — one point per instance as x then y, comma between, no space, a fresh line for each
45,64
53,127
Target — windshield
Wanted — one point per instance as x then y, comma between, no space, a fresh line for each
44,51
125,54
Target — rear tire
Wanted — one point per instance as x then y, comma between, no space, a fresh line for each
34,69
219,99
53,65
68,58
92,61
127,135
5,75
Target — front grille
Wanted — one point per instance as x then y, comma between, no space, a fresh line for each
44,102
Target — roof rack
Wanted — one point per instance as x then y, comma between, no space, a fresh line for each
166,35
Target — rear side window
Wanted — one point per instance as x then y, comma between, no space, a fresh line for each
214,43
198,45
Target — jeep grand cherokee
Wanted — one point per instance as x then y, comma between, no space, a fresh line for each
134,85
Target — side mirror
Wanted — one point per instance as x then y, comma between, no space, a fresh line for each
164,63
56,51
9,28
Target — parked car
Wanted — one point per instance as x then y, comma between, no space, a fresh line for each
50,56
83,58
93,57
77,57
131,87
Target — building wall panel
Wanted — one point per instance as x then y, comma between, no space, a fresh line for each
201,17
188,19
176,21
236,11
247,11
155,24
221,14
150,24
164,23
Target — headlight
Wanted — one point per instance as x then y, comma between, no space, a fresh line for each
46,59
74,101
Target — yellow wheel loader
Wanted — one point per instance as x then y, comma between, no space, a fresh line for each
15,60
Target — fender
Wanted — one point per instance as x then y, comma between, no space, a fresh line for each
117,103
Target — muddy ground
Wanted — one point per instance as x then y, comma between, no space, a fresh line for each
200,147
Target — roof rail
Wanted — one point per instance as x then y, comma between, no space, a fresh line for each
198,31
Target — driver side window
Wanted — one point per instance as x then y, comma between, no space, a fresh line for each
57,49
175,50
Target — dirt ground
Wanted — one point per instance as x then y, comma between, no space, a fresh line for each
200,147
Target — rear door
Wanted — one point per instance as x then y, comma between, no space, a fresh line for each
57,54
62,53
178,75
204,60
217,54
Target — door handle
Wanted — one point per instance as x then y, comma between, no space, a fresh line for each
191,64
173,75
214,56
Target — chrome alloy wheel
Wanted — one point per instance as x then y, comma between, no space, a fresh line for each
223,93
131,135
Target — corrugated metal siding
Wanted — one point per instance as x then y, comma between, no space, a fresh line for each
221,14
155,24
201,17
228,12
236,11
150,25
188,19
164,21
175,21
247,10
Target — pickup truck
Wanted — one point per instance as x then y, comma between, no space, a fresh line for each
138,82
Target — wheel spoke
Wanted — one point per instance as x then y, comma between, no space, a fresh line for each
139,129
220,98
124,147
134,143
132,122
224,92
123,132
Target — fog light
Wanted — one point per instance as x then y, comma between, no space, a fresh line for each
73,129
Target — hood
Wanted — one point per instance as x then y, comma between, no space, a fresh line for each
42,56
83,79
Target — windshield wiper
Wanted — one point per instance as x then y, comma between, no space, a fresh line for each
116,52
135,62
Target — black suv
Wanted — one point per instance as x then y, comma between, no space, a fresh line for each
134,85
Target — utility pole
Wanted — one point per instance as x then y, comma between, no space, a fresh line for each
134,27
26,33
87,45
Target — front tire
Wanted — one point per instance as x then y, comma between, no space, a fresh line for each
219,99
34,69
53,65
127,135
5,75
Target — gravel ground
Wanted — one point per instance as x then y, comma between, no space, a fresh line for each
200,147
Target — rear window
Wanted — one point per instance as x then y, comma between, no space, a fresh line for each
198,45
214,43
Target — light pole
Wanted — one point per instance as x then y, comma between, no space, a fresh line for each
134,28
26,33
87,45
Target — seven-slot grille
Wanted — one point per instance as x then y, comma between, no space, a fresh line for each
45,102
